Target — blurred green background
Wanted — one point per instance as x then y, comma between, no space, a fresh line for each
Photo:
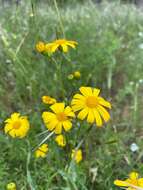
109,56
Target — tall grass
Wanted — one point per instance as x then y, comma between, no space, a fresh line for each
109,56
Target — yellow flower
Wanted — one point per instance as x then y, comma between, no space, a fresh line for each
40,47
11,186
77,74
63,44
61,141
48,47
48,100
77,155
17,126
41,151
133,182
60,118
91,105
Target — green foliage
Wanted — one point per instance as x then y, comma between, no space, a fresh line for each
109,56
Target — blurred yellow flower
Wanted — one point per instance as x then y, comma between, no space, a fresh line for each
61,141
132,183
40,47
48,100
70,76
48,47
63,44
41,151
77,74
17,126
61,118
77,155
91,105
11,186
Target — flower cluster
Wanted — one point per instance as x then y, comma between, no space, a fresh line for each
134,182
74,75
60,44
58,119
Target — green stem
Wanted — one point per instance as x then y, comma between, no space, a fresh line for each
60,18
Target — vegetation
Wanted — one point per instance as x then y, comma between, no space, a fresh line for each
108,56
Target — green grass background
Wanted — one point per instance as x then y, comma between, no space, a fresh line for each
109,56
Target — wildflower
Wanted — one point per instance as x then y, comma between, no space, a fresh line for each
48,100
11,186
48,47
134,147
17,126
40,47
133,182
41,151
77,155
63,44
77,74
91,106
60,118
61,141
70,76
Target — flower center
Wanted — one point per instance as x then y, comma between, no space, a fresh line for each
91,102
16,124
60,42
61,116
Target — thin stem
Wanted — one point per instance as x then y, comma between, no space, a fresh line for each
60,18
42,133
80,144
44,140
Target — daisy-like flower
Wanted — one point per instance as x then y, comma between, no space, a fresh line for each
91,105
132,183
40,47
17,126
48,100
11,186
63,44
77,155
41,151
61,141
59,118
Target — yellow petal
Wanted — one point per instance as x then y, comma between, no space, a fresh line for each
140,182
120,183
86,91
14,116
58,107
77,107
96,91
105,115
7,128
48,116
58,128
82,114
65,48
71,44
104,102
12,133
54,47
133,175
68,111
67,125
79,96
51,125
90,117
97,118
